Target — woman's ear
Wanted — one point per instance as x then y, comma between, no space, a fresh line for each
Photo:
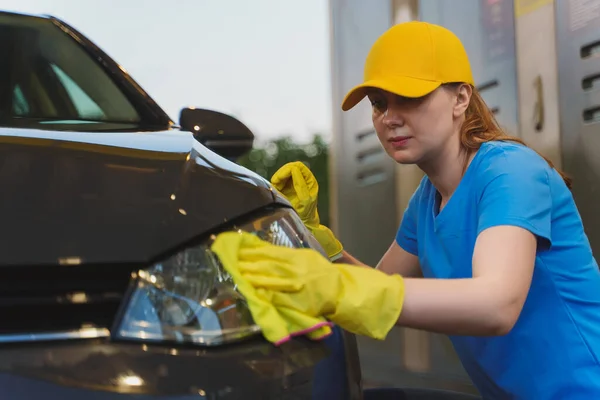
463,97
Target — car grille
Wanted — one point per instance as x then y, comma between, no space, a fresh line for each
60,298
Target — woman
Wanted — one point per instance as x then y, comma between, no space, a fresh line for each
491,249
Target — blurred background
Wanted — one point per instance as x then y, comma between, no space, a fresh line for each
282,68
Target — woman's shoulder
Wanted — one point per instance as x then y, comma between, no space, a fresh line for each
505,157
498,150
502,163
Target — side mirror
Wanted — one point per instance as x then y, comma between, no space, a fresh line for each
222,133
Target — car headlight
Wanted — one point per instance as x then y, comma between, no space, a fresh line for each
190,298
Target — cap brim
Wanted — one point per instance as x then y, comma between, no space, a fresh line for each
402,86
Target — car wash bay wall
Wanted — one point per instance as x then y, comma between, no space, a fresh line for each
577,50
363,197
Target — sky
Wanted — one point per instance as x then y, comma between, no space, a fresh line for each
264,61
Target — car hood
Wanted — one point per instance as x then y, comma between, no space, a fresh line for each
73,197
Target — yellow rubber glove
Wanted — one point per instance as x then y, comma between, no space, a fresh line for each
298,184
361,300
278,324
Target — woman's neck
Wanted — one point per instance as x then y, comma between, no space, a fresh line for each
446,170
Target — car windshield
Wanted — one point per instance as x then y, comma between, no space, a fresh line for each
49,81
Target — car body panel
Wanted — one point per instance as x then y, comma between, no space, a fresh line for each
114,197
99,370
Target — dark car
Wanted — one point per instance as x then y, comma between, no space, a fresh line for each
107,208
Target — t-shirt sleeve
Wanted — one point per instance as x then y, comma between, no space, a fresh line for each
515,190
406,237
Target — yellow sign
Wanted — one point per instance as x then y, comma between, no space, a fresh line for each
526,6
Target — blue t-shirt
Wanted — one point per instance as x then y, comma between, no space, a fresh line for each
553,350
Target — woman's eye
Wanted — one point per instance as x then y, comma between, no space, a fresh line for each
378,105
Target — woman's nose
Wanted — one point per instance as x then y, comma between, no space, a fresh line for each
393,117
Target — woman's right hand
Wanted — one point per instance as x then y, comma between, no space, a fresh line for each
298,184
301,282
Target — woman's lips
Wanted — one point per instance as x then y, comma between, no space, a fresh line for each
400,141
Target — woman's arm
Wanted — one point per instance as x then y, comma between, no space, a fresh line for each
487,304
396,260
347,258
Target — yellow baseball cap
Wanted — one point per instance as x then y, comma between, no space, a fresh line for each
412,59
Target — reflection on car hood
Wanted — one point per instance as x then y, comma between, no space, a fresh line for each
114,197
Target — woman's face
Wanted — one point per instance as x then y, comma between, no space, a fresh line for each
413,130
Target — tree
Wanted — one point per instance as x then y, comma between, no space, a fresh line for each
267,159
